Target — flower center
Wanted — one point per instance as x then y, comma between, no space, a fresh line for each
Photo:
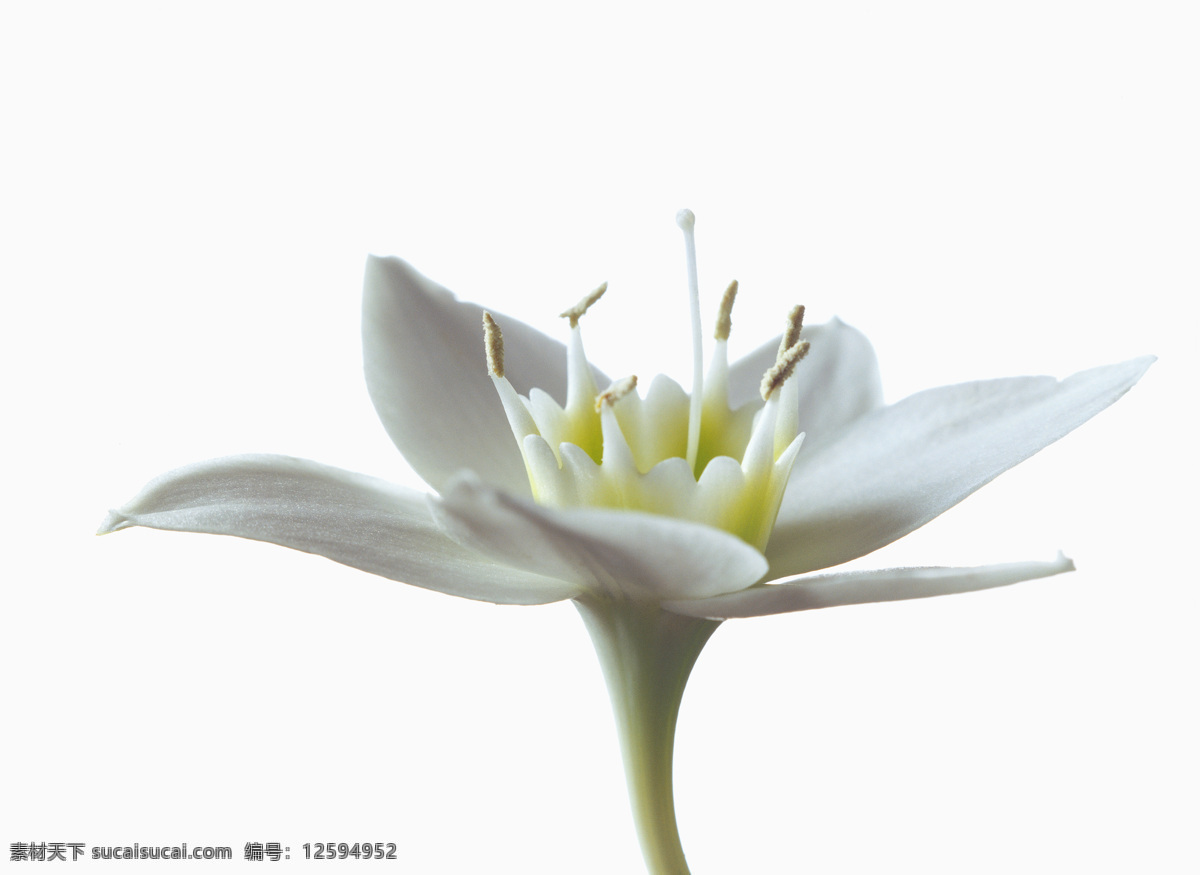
687,456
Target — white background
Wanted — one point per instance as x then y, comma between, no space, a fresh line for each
986,189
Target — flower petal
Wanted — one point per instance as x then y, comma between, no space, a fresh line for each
861,587
895,469
838,380
427,376
350,518
617,553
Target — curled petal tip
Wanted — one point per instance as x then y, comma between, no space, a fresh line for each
114,522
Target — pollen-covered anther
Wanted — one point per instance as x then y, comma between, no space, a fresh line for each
573,313
724,323
493,345
783,367
616,392
791,336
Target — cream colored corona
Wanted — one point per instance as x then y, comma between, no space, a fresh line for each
616,449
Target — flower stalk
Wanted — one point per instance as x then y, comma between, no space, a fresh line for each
646,654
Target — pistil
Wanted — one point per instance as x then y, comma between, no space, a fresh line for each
686,220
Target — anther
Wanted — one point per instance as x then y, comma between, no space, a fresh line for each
493,344
573,313
783,367
616,392
724,323
791,336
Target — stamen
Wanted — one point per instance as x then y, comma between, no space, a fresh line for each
724,323
516,408
616,392
787,423
493,344
573,313
792,334
783,367
686,220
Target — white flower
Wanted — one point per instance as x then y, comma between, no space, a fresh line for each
660,515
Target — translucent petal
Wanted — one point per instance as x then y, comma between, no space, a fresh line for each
897,468
860,587
618,554
427,376
837,382
350,518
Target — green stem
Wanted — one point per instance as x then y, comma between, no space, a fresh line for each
647,654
